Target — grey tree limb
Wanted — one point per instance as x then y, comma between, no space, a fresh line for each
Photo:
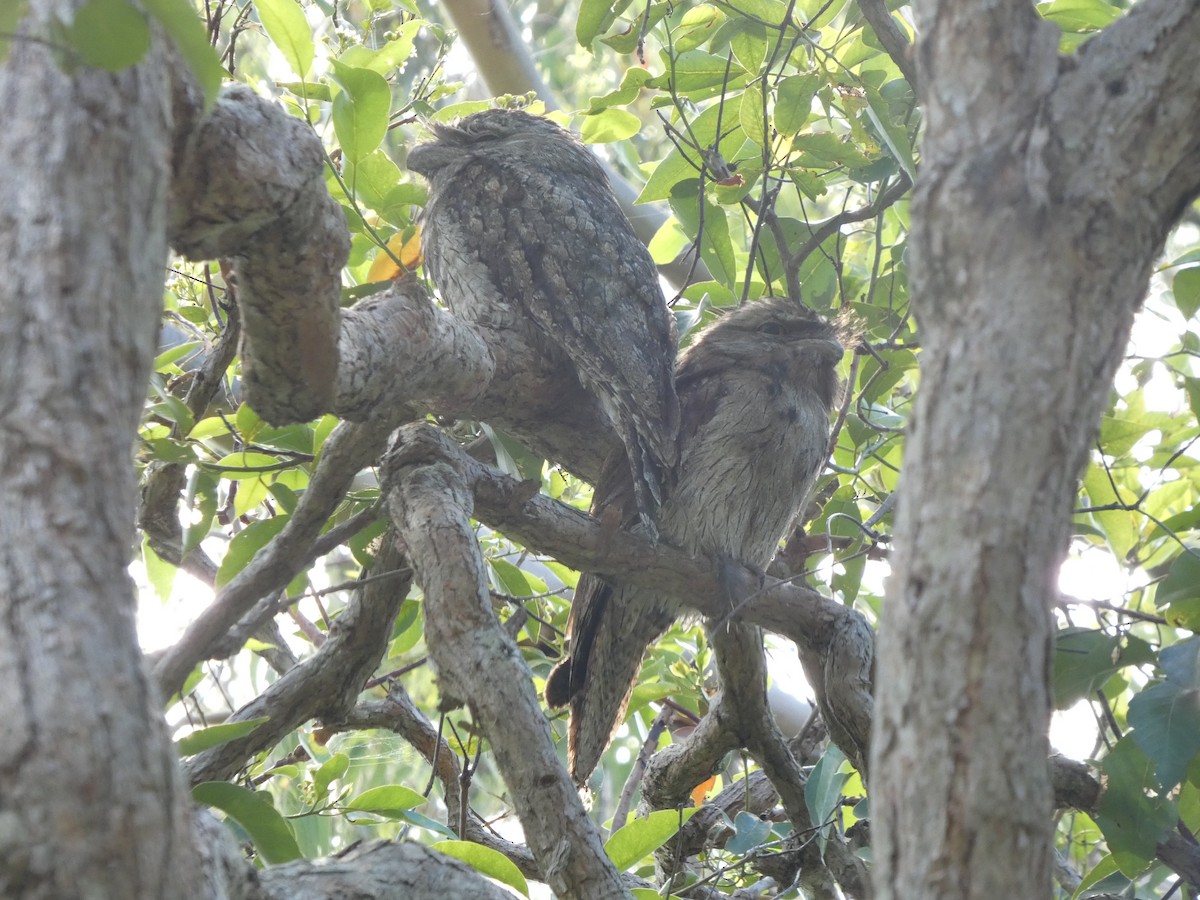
479,664
1047,187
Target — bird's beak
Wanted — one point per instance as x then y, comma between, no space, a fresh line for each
825,348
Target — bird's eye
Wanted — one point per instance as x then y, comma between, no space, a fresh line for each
771,328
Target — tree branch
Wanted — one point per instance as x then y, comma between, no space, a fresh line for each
346,452
249,184
833,224
894,41
327,683
398,713
381,870
1140,71
479,663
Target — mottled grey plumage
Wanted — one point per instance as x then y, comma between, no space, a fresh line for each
755,391
521,225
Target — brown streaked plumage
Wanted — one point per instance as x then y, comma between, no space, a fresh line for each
521,226
755,390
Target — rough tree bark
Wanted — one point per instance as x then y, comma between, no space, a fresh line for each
91,799
1047,187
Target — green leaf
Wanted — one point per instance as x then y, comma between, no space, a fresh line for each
1085,659
668,242
1178,596
893,135
840,519
1186,288
181,22
823,792
716,246
770,12
695,70
270,832
632,83
392,54
793,102
202,496
1118,434
641,837
160,573
288,29
1166,725
386,800
1080,16
595,17
1106,867
511,578
246,465
360,110
372,179
215,735
362,545
1180,663
825,149
110,34
512,457
245,544
168,357
697,27
1118,525
748,41
329,772
819,13
609,125
415,818
751,116
11,14
675,167
487,861
1132,816
749,832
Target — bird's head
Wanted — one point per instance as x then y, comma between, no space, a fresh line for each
506,136
775,335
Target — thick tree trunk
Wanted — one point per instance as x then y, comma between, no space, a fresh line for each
91,800
1034,229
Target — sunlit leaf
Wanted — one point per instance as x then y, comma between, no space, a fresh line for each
595,16
489,862
609,125
180,20
387,799
288,29
159,572
110,34
216,735
245,544
360,110
1132,815
641,837
271,834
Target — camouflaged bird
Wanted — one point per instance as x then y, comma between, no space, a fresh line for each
522,227
755,390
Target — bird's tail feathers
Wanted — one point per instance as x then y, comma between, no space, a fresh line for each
615,658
